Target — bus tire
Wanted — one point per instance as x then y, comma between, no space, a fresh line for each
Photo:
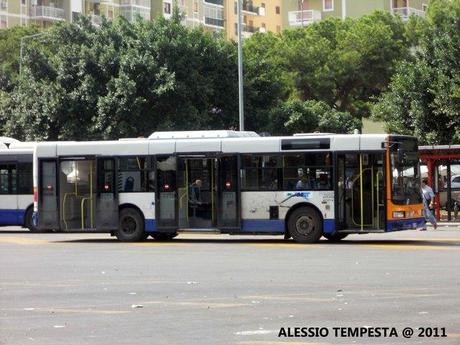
28,223
305,225
336,237
164,236
130,226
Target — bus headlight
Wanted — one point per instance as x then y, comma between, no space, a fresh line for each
398,214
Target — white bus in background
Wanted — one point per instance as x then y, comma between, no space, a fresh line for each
16,198
303,186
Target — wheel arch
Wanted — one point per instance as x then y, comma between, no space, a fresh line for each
135,207
24,220
297,206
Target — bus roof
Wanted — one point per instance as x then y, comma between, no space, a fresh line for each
164,146
201,134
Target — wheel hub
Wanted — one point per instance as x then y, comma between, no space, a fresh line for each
304,225
128,225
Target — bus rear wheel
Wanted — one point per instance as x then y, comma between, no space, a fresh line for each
131,226
28,222
305,225
336,237
164,236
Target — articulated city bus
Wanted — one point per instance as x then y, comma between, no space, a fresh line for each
303,186
16,200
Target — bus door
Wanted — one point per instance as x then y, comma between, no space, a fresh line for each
360,197
166,214
106,213
228,193
48,202
196,186
77,193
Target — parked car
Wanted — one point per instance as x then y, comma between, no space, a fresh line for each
455,192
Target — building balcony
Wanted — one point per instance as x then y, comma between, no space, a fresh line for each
406,12
302,18
135,3
47,13
249,9
215,22
214,2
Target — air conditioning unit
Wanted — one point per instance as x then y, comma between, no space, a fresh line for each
261,11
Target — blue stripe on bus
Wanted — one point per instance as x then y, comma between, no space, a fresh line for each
263,225
150,225
329,226
12,217
405,224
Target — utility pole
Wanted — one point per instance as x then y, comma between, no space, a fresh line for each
240,67
301,12
21,50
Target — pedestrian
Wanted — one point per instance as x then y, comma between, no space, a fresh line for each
428,203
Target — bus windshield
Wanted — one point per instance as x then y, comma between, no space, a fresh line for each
405,171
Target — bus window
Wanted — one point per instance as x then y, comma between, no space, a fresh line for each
132,174
25,178
260,172
4,179
307,171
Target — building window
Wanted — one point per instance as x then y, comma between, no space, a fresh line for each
23,2
3,22
195,7
277,9
167,8
424,7
328,5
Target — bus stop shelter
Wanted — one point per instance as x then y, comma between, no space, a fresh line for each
442,165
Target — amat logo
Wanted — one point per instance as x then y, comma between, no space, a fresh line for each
305,195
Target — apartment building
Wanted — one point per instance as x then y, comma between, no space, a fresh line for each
304,12
214,15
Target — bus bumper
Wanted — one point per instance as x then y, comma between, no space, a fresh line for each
405,224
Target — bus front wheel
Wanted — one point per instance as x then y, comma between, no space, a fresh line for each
305,225
336,237
131,226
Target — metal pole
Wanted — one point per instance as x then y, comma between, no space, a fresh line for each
240,68
301,13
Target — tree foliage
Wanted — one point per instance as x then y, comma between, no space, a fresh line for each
122,79
424,95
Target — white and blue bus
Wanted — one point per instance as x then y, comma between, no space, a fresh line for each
16,198
303,186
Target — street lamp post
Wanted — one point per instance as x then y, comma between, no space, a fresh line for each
240,67
21,49
301,12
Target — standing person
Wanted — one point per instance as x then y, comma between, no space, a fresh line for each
428,203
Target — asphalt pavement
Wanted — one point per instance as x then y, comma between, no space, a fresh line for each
219,289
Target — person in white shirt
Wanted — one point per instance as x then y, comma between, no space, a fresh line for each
428,203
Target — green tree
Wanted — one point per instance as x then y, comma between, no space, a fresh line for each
121,79
10,46
424,96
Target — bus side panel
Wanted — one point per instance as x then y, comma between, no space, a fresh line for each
9,213
256,215
24,201
145,202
